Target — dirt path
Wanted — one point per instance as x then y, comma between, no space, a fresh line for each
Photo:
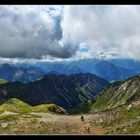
71,124
47,123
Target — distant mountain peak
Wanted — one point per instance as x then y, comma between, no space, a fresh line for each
54,72
14,73
6,66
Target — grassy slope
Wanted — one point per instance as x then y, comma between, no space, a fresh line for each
124,120
48,107
17,106
2,81
122,93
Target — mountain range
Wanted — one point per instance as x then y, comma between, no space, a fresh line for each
111,70
116,95
66,85
109,106
64,90
59,67
12,73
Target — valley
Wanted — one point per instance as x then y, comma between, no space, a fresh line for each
53,103
115,111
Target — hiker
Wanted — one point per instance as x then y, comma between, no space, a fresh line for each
82,118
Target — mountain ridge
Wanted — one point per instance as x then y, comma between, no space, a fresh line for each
63,90
12,73
117,94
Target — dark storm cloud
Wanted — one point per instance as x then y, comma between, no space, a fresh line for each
32,33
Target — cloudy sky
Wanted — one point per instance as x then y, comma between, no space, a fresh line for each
67,32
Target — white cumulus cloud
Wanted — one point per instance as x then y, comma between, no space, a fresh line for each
64,32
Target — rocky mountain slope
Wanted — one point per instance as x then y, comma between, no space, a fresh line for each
117,94
64,90
115,110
